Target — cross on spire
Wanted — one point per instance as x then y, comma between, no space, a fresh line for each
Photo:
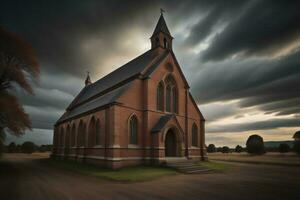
162,11
88,79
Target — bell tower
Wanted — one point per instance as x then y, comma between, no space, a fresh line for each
161,36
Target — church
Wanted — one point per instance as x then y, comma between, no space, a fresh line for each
141,113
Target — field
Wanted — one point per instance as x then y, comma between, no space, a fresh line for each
287,159
33,177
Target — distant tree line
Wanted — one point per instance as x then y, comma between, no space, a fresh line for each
26,147
255,145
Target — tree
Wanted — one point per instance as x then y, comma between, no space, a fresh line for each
238,149
283,148
28,147
211,148
255,145
225,149
18,63
19,148
12,147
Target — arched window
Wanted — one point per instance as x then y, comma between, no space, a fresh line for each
171,95
67,137
92,133
165,43
73,135
157,41
81,134
160,96
194,135
133,130
98,133
168,98
62,135
174,100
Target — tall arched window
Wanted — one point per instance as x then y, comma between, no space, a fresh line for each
67,137
171,94
174,100
133,130
194,135
160,96
168,98
165,43
62,135
157,41
98,133
81,134
92,133
73,135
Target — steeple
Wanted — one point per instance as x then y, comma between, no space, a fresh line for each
88,79
161,36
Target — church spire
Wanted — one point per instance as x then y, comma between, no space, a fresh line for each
161,35
88,79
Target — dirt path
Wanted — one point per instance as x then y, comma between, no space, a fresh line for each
24,178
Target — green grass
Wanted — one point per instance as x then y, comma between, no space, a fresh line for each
216,166
129,174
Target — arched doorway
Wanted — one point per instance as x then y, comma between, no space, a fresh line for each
171,144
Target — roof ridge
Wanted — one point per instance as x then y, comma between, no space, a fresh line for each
122,66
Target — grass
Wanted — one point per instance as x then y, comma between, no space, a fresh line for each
216,166
129,174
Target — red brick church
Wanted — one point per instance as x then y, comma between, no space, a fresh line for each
140,113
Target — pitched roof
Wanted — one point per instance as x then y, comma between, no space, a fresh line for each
161,26
163,120
119,76
161,123
98,102
107,89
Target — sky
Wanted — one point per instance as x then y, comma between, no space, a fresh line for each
241,58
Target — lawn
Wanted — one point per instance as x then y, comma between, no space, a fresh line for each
129,174
216,166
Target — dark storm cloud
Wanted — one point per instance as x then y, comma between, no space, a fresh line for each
71,37
261,125
217,11
58,29
264,28
254,81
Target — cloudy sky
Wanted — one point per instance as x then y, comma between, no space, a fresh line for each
241,58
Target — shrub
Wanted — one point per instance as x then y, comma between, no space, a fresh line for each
28,147
225,149
238,149
255,145
297,147
283,148
211,148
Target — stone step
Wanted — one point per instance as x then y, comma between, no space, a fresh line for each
190,167
199,171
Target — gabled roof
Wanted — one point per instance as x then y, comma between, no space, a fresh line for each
161,123
98,102
161,26
163,120
121,75
107,89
